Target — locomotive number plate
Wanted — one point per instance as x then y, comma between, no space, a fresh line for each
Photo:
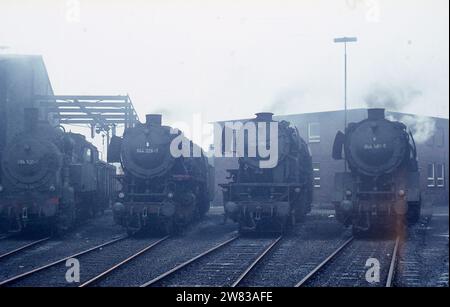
147,150
26,162
375,146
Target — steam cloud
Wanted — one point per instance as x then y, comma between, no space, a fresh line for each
398,99
286,100
391,98
422,128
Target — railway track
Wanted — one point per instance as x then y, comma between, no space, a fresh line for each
105,273
22,248
352,273
18,277
392,266
4,237
238,258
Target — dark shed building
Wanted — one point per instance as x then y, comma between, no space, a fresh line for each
21,77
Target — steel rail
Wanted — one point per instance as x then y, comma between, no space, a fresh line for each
393,264
323,263
15,251
255,262
186,263
120,264
41,268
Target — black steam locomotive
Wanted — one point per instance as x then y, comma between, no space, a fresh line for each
161,192
382,188
270,199
51,178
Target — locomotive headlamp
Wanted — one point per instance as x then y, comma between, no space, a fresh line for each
401,193
121,195
297,190
170,195
52,188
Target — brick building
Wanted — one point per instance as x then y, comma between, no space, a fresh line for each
319,130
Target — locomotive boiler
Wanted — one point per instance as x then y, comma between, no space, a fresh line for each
381,190
51,178
269,199
161,190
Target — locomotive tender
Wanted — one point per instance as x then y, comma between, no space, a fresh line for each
51,178
270,199
382,188
160,192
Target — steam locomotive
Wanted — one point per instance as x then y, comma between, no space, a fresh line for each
51,178
269,199
162,192
382,188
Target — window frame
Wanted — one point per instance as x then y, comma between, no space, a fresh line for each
440,180
88,155
433,176
313,138
316,174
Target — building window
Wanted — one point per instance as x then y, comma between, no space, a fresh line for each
88,155
440,175
431,179
314,132
316,174
439,137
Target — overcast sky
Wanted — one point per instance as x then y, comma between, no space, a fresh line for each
230,59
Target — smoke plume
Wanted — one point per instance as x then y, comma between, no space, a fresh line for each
391,98
422,128
400,99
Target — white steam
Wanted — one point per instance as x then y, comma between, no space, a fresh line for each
422,128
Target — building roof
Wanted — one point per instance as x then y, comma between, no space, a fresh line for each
37,62
333,111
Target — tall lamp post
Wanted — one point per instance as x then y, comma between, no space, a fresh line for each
345,40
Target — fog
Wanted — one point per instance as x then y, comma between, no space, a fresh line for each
230,59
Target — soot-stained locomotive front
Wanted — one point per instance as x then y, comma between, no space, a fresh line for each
269,198
51,178
162,191
381,190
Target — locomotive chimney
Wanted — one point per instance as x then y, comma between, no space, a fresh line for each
375,113
264,117
153,119
31,116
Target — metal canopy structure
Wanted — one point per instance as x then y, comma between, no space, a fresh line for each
100,113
